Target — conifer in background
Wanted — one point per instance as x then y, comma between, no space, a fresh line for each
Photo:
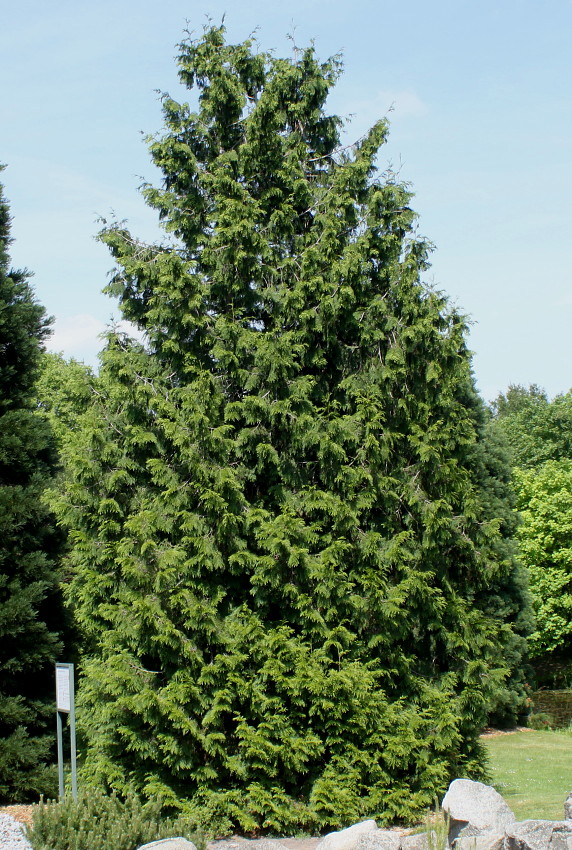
30,607
285,561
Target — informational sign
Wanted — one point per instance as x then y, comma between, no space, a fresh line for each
65,704
63,687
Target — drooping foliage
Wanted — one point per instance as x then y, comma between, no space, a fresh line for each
30,609
285,558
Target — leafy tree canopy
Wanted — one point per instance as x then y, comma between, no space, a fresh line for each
287,548
535,428
63,391
545,534
539,434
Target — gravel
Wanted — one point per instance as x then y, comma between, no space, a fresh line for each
12,835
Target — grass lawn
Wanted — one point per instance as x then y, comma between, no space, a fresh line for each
532,771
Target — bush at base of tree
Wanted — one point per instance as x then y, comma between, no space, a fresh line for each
98,821
285,562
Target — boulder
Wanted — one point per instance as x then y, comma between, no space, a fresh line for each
379,839
474,808
561,836
347,839
177,843
482,841
568,807
539,835
420,841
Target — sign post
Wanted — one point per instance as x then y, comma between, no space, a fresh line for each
65,704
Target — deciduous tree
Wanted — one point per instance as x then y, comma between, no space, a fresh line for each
544,498
538,432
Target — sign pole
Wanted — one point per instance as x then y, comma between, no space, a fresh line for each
65,704
72,736
60,756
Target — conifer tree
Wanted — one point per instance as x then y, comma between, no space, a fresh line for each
30,608
283,560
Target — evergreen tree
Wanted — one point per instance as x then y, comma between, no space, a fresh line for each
284,556
30,611
508,599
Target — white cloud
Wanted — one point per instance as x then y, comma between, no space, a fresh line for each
72,334
79,336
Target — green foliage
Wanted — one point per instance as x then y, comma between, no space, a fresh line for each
287,551
539,434
97,821
510,599
63,391
23,326
540,720
535,428
30,605
544,498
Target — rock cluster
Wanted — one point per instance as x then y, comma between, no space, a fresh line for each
478,819
366,836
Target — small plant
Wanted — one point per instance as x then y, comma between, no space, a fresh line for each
98,821
540,720
436,828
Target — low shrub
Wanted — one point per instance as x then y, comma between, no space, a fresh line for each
540,720
98,821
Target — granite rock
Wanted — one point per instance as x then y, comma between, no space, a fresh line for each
474,808
347,839
379,839
538,835
420,841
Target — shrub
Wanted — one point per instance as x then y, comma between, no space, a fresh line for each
540,720
97,821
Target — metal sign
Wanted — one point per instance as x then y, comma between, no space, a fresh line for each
65,704
64,687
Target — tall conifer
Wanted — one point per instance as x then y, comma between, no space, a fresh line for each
283,562
30,611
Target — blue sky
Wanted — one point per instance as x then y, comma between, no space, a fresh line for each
481,119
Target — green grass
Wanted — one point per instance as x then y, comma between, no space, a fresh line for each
532,771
